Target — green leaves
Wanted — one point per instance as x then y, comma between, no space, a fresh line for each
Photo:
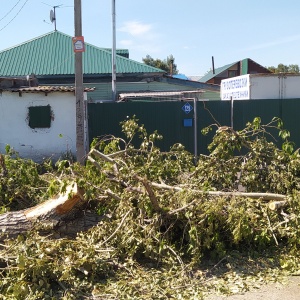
288,147
256,123
20,184
138,251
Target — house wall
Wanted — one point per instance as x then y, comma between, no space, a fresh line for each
38,143
254,68
103,90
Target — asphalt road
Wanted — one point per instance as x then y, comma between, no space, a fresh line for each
273,291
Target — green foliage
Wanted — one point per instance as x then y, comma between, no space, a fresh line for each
281,68
39,268
162,64
160,223
20,182
251,158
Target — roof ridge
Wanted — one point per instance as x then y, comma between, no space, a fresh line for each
219,70
122,57
226,66
57,47
48,33
31,40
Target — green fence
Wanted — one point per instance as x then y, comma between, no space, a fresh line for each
177,124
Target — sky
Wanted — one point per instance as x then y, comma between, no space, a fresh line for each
193,31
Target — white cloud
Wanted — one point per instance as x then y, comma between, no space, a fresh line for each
140,37
147,49
274,43
126,43
136,29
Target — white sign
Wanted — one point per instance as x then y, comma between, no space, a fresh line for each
237,88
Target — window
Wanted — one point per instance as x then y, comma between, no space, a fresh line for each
232,73
40,116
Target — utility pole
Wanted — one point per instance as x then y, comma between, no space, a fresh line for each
80,107
113,71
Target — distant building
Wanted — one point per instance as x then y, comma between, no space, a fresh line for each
195,77
242,67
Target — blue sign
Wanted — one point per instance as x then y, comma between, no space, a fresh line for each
187,108
187,122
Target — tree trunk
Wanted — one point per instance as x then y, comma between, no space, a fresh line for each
61,216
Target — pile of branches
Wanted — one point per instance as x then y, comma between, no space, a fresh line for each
144,208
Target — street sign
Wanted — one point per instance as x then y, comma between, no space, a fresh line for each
187,108
78,43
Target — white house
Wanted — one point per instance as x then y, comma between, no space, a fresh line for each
38,122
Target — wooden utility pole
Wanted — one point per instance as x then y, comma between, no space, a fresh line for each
80,107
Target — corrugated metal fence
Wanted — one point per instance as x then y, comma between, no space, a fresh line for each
176,124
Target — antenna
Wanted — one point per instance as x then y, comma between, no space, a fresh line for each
53,14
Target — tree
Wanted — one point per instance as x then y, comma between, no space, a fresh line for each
281,68
294,68
144,175
157,215
165,64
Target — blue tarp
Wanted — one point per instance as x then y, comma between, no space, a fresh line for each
180,76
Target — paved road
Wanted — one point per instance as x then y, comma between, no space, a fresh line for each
272,291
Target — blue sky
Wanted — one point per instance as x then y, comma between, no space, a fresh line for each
193,31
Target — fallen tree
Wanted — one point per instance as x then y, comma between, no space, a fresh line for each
142,209
64,215
129,170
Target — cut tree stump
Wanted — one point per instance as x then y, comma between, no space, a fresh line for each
61,216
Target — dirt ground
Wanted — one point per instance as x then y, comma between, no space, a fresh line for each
290,290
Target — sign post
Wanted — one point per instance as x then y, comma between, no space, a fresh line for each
187,108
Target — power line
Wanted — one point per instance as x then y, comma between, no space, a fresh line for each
10,10
14,16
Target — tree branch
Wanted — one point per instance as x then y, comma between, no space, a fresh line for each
151,194
277,204
106,158
263,196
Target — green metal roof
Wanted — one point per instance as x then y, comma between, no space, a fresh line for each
52,54
209,75
121,52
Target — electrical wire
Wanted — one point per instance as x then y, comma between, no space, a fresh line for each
15,15
10,10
